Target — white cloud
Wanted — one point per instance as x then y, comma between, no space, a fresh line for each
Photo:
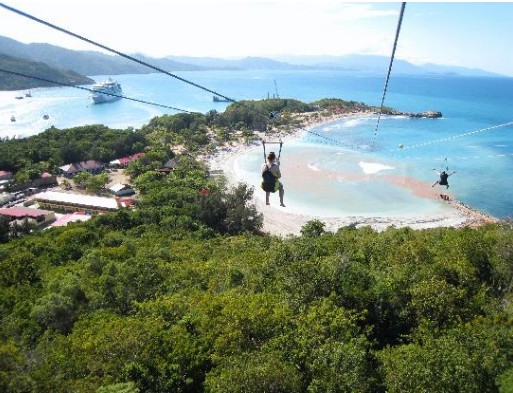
237,28
200,27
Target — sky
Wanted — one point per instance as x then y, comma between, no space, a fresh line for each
467,34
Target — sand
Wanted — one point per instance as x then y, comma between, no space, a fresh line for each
280,222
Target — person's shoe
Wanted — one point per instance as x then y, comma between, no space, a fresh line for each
282,205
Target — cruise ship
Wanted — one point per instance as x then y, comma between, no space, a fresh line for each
106,91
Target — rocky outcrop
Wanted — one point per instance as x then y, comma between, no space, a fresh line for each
427,114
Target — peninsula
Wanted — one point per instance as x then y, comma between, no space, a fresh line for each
12,69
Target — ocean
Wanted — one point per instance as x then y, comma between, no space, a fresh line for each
470,138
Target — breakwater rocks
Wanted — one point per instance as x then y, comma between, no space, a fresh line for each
426,114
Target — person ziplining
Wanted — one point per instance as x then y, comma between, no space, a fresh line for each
444,174
444,177
270,178
271,168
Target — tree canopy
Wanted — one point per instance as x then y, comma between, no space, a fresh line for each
184,293
118,303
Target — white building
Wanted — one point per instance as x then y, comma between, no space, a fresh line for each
120,189
67,202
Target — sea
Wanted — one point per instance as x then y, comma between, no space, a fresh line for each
356,165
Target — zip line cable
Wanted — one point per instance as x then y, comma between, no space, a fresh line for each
454,137
334,141
148,102
443,166
91,90
403,5
19,12
24,14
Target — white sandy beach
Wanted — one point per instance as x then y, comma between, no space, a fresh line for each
281,221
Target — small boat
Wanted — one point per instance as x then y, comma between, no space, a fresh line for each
219,99
13,119
19,97
29,94
106,91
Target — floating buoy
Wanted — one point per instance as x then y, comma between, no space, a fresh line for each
400,146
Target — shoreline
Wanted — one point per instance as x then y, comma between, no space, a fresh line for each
280,222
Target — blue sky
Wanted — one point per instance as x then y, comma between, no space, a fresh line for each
468,34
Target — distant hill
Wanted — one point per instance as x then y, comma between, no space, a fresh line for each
349,63
379,64
97,63
86,62
41,70
247,63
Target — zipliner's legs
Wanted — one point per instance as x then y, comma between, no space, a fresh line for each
281,193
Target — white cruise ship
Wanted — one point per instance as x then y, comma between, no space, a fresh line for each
106,91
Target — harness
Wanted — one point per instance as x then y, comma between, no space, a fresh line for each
272,143
268,180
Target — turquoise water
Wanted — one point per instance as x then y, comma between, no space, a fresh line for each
483,160
326,181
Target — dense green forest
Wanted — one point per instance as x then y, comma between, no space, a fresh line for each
46,152
40,70
186,294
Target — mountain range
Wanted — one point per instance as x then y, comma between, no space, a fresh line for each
98,63
349,63
85,62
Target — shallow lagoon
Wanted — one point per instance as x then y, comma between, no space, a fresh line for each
329,181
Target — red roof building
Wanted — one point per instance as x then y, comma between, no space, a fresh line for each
20,213
73,217
124,161
5,175
126,202
91,166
